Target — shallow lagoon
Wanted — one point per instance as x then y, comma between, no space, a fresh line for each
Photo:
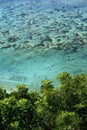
40,39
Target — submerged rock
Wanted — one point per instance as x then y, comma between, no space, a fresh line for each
1,42
84,20
6,47
18,78
23,46
12,39
46,39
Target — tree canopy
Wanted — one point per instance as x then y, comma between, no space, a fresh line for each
52,108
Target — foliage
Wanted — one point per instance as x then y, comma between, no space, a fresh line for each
61,108
67,121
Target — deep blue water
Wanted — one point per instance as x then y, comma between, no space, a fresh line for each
40,39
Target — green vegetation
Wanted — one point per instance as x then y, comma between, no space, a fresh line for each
53,108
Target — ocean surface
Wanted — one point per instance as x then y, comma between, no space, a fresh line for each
40,39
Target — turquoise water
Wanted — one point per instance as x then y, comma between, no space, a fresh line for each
40,39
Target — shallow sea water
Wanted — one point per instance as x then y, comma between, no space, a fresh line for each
40,39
